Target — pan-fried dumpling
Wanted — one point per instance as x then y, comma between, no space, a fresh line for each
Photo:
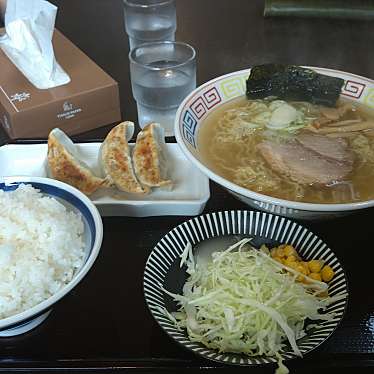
115,159
64,164
149,157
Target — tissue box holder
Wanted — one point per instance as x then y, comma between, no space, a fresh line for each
90,100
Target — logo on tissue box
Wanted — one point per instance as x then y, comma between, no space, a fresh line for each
19,97
67,106
68,111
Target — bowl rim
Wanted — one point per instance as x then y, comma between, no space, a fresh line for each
28,314
301,206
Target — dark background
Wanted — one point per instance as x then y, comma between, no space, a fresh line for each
103,325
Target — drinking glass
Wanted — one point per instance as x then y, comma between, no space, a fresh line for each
149,20
162,75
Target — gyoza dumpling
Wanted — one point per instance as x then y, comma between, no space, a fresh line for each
116,161
149,157
65,165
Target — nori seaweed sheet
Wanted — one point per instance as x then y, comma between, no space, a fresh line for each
290,82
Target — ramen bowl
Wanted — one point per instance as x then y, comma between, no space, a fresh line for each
210,97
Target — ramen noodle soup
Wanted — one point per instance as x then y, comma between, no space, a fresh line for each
293,150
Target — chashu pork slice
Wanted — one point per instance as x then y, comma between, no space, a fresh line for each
115,159
65,164
331,148
150,158
302,165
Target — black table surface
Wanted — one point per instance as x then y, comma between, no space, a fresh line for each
103,324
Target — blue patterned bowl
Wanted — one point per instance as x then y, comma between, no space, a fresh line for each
75,201
211,95
163,270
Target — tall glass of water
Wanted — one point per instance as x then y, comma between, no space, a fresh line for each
162,75
149,20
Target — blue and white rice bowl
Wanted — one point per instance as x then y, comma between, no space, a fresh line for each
163,272
76,202
213,94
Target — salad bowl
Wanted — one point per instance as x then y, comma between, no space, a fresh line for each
165,276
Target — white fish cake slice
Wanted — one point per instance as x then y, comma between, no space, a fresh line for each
149,157
65,164
115,159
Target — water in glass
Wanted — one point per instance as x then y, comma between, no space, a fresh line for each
145,28
159,93
150,21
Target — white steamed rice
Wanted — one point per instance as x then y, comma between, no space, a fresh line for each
41,247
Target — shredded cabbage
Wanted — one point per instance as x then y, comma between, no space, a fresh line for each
243,301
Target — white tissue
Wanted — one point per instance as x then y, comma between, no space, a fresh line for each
29,26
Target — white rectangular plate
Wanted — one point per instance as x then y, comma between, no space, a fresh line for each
187,198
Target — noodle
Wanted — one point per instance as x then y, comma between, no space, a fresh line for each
228,144
364,148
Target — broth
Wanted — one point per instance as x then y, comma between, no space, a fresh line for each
228,144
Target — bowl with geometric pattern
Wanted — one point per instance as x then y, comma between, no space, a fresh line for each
203,104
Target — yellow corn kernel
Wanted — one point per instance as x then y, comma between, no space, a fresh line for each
305,265
315,266
273,252
290,251
276,258
289,260
280,252
292,264
315,276
327,273
300,268
300,278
